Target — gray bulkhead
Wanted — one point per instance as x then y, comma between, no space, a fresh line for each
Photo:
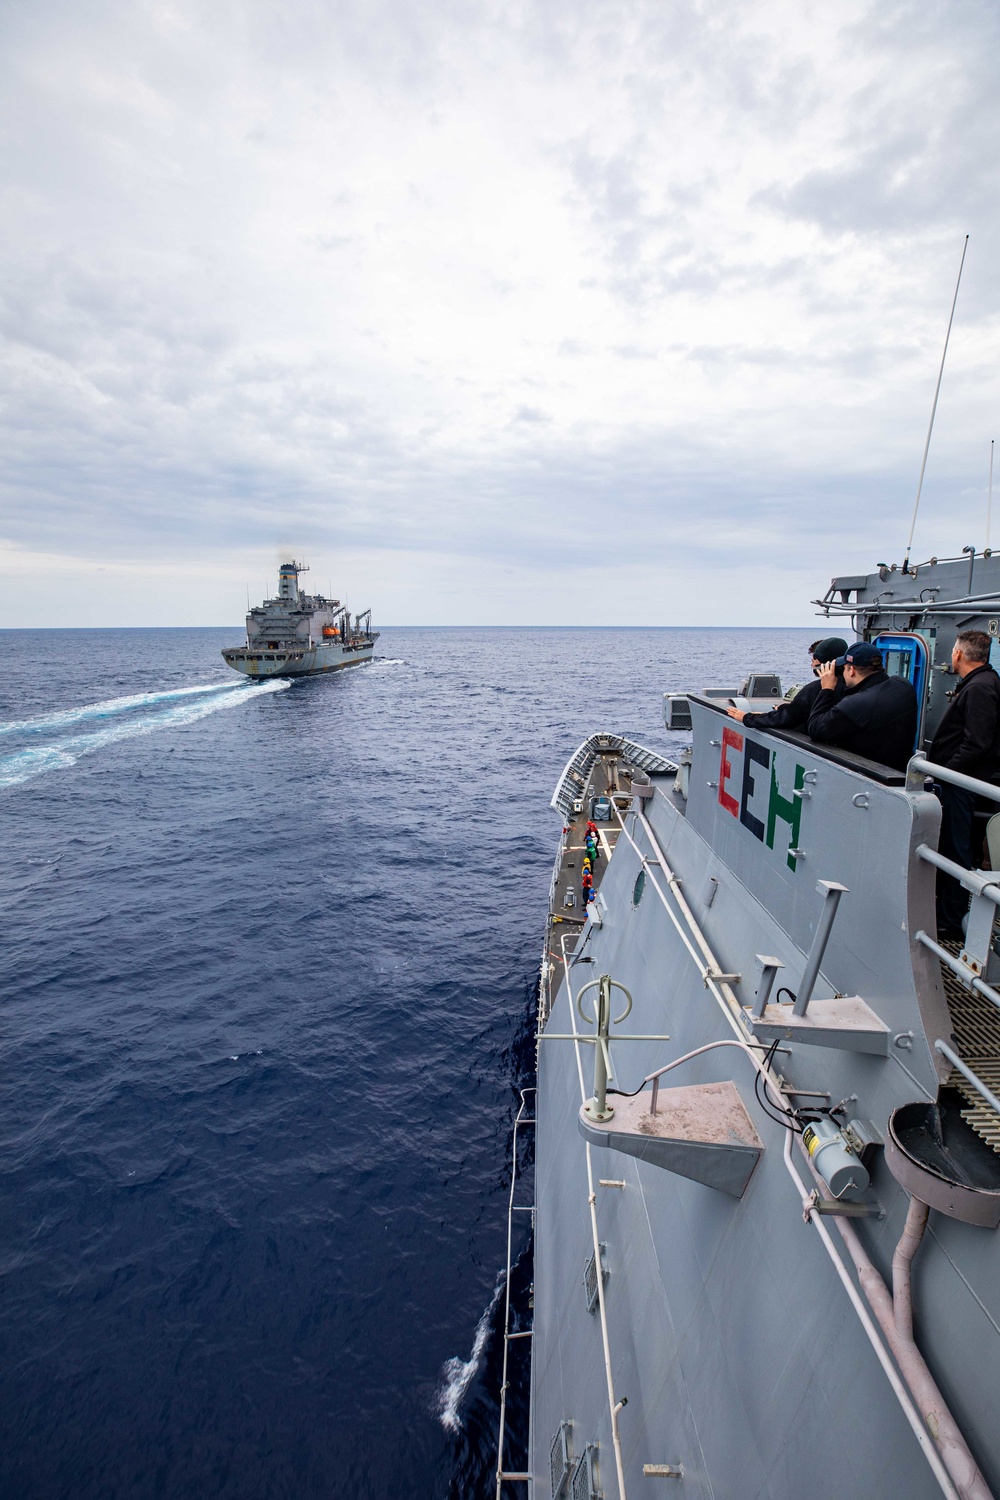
737,1348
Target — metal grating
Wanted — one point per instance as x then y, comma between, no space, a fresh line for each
590,1279
976,1024
585,1476
559,1460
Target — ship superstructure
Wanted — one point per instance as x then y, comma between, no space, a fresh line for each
298,634
767,1168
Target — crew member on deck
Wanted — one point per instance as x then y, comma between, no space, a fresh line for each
877,714
967,740
795,713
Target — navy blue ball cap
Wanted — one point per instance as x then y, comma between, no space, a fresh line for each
829,648
861,654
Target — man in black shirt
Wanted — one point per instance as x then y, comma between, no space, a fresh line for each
967,740
877,715
795,713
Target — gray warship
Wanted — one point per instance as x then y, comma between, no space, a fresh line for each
769,1266
300,635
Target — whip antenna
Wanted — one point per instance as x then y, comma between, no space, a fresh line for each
930,425
989,497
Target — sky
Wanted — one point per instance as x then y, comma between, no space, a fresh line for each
536,313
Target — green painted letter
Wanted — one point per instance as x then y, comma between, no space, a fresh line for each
789,811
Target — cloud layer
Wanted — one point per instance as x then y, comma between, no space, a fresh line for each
496,310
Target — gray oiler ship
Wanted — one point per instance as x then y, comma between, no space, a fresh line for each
772,1270
298,635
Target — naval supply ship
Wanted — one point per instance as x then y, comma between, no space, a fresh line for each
299,635
766,1188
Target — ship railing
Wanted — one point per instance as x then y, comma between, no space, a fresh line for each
511,1476
971,964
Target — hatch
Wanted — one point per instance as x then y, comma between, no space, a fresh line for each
905,655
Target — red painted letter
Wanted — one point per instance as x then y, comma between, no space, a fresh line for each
730,741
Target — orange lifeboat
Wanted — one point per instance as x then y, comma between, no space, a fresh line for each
331,631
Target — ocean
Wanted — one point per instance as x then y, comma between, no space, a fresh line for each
269,964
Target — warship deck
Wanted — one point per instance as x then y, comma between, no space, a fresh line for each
567,919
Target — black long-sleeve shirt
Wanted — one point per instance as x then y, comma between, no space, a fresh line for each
968,737
795,713
877,719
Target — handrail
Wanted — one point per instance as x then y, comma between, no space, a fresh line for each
920,766
969,978
979,885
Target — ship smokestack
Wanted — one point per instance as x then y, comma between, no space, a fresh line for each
288,581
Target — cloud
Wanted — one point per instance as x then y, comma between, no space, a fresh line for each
506,294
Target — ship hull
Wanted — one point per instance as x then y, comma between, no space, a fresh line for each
727,1326
309,661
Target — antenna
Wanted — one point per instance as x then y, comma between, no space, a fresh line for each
930,425
989,497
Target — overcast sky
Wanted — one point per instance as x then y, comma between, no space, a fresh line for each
545,312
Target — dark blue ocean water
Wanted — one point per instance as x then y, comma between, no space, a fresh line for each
268,972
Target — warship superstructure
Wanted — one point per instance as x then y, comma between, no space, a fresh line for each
299,635
767,1165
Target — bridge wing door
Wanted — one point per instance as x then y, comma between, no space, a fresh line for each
905,655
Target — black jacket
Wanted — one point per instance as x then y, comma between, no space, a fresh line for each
877,719
968,737
794,714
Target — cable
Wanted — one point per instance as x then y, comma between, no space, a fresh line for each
786,1117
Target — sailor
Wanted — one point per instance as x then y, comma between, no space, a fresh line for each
795,713
588,884
592,847
877,714
967,740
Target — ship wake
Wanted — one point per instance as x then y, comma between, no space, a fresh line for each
119,719
458,1374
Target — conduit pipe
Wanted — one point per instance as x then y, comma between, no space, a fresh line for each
946,1431
909,1244
903,1396
955,1451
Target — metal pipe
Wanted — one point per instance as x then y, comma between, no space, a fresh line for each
963,972
832,892
954,1450
769,967
902,1260
978,884
903,1396
920,766
654,1078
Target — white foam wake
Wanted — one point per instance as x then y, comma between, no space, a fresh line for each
24,765
110,707
458,1373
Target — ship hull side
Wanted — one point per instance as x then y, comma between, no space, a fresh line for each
730,1334
312,661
